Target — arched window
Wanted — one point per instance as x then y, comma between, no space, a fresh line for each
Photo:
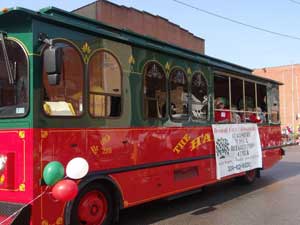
154,91
178,94
65,99
105,85
199,98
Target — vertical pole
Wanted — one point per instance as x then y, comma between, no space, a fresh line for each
293,107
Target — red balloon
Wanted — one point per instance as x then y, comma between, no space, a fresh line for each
65,190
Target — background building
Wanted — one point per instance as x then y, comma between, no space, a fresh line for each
143,23
289,93
160,28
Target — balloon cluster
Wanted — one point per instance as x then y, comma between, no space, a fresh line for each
65,189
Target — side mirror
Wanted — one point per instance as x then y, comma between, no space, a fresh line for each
53,59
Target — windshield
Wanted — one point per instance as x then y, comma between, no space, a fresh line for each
13,86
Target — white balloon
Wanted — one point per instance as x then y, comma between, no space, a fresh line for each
77,168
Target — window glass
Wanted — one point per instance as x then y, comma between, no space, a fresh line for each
262,102
237,103
14,86
199,98
250,102
104,85
65,99
221,102
154,91
273,103
178,94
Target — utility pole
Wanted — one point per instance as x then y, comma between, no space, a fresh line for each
293,108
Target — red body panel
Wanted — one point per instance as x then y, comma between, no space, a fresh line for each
17,180
174,160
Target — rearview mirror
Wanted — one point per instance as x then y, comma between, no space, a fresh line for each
53,59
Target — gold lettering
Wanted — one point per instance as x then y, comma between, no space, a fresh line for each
180,145
196,143
176,150
200,140
106,151
206,138
94,149
186,138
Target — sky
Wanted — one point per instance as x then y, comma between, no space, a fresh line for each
223,39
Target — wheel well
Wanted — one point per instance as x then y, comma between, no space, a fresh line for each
110,185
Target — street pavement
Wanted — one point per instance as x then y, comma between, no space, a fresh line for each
274,199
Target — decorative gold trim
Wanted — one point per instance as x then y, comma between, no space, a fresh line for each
72,43
167,67
44,134
21,44
189,71
59,221
2,179
22,187
131,60
22,134
153,61
86,50
45,222
105,50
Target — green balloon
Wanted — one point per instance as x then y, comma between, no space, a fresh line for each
53,172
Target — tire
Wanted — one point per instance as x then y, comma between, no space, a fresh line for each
249,177
94,205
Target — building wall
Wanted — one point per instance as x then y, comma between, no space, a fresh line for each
143,23
289,92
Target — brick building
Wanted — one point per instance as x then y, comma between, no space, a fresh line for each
143,23
289,92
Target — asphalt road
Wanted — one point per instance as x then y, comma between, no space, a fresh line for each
274,199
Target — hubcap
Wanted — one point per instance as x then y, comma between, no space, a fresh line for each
92,208
251,174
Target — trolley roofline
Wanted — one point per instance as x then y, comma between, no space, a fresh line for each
68,19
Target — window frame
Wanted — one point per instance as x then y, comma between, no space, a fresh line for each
94,53
229,75
188,114
194,119
26,54
143,91
73,45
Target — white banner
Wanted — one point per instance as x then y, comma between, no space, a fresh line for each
237,147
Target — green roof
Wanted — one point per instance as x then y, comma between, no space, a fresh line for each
74,21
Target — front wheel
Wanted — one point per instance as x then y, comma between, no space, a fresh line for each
93,206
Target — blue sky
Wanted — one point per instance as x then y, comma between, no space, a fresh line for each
224,40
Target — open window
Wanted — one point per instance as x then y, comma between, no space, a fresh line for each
199,97
221,102
154,91
262,102
273,104
178,94
105,85
65,98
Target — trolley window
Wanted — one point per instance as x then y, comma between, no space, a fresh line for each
65,99
199,97
178,94
104,85
154,91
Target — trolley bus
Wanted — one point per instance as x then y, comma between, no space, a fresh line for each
144,114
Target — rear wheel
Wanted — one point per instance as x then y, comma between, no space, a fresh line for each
249,177
93,206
